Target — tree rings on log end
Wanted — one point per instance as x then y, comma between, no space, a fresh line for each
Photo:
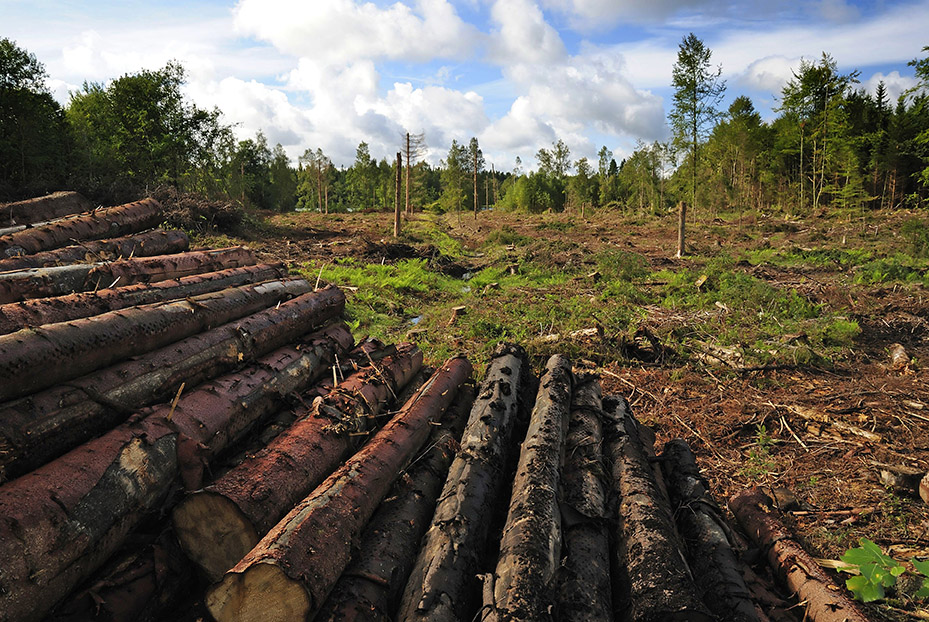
263,593
213,532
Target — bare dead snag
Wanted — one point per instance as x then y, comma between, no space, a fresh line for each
370,587
40,209
42,426
654,582
219,525
289,573
717,571
584,578
442,586
35,358
825,601
62,280
17,315
530,549
104,223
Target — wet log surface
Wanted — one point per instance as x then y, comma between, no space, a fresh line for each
443,584
31,313
41,209
289,573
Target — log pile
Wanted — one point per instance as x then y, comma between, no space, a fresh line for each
206,440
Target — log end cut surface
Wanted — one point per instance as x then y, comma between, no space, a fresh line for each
213,532
263,593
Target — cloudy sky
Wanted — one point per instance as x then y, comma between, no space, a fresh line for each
518,74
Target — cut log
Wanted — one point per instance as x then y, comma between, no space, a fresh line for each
825,600
59,523
104,223
219,525
717,570
370,587
62,280
530,549
40,209
289,573
584,578
442,586
151,243
654,582
18,315
42,426
35,358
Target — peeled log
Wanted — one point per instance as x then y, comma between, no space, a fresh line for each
45,208
289,573
702,524
35,358
825,601
584,578
656,584
42,426
62,280
219,525
17,315
530,549
370,587
59,523
442,586
157,242
103,223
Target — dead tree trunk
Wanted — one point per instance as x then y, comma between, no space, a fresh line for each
157,242
104,223
40,209
42,426
18,315
654,582
397,197
825,601
706,535
442,586
219,525
530,550
584,578
288,574
35,358
681,221
370,587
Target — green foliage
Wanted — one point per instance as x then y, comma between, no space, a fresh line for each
507,236
760,463
841,332
879,572
916,233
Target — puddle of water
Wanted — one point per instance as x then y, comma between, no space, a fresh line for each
416,320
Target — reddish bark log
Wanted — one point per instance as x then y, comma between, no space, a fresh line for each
104,223
42,426
35,358
825,600
16,316
288,574
40,209
219,525
530,549
149,244
62,280
370,587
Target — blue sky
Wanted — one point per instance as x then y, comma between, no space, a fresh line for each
518,74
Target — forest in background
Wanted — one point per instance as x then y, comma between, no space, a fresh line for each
832,145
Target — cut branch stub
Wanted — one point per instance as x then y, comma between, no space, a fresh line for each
289,573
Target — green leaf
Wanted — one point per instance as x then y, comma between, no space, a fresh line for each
921,567
864,590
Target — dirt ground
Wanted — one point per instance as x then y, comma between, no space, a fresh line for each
817,431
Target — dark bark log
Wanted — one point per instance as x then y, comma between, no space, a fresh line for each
825,600
530,549
289,573
59,523
442,586
15,316
104,223
42,426
370,587
151,243
62,280
219,525
40,209
584,578
35,358
652,581
717,571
